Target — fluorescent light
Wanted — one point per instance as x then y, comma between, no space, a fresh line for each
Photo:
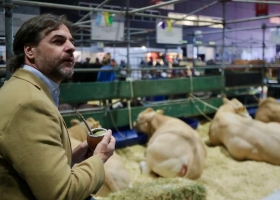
191,18
159,24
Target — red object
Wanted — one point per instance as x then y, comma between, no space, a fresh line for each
153,2
261,9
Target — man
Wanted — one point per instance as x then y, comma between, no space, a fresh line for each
87,61
35,152
96,65
122,71
106,76
2,61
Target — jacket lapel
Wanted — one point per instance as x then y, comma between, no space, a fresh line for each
34,80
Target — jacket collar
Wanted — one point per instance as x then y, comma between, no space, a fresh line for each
34,80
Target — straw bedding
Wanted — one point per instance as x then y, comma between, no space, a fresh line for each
223,178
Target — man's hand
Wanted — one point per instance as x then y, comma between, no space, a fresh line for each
81,152
106,147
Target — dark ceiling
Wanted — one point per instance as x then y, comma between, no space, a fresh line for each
233,11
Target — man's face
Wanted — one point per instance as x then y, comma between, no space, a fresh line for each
54,55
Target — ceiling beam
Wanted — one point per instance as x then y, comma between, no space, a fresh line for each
156,6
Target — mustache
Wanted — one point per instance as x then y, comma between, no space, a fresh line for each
68,57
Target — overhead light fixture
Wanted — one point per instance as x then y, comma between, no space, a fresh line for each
159,24
191,18
274,20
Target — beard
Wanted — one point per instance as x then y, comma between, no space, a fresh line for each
56,70
64,73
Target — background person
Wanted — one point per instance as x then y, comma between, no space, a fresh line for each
2,61
106,76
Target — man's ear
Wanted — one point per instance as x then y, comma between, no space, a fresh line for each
29,51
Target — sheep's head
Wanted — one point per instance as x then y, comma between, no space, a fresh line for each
143,121
237,107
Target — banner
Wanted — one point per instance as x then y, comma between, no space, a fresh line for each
105,26
168,33
261,9
97,47
18,20
275,36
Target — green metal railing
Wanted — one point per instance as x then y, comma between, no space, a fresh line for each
121,117
80,92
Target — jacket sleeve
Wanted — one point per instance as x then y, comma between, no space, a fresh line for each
33,145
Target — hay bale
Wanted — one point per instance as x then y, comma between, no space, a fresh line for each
163,188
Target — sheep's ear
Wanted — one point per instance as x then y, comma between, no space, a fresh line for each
225,100
97,125
74,122
90,119
148,110
160,112
260,101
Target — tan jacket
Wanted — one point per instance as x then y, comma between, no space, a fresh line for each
35,152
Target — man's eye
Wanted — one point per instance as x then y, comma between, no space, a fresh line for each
59,42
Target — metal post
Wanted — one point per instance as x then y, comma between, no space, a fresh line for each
263,58
128,36
81,23
90,9
223,37
114,51
194,45
223,46
8,5
233,30
147,42
82,39
83,18
173,18
252,1
156,6
103,3
253,19
142,32
87,15
198,10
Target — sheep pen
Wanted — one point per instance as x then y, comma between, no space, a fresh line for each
223,178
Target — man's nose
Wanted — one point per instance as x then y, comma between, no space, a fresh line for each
70,47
